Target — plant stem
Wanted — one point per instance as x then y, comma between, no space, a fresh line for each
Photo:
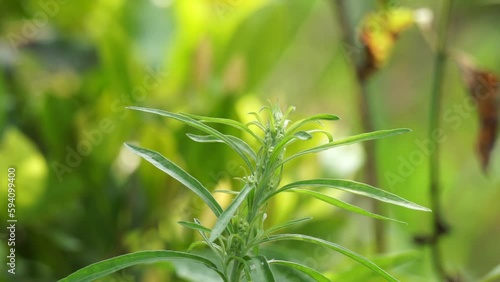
439,227
235,272
363,70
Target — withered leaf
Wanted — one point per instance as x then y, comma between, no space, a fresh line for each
484,90
380,30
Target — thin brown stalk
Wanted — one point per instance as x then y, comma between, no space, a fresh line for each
363,69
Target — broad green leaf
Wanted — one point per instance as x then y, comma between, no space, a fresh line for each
355,188
341,204
179,174
226,216
350,140
314,118
264,37
212,139
195,226
259,269
286,224
229,122
320,242
105,267
302,268
199,125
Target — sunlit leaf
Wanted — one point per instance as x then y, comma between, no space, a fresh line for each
379,32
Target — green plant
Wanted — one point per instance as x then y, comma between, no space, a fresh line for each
239,231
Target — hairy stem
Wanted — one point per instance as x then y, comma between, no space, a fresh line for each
363,70
439,227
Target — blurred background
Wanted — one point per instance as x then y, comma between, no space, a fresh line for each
69,68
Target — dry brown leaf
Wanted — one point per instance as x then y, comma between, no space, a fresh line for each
484,90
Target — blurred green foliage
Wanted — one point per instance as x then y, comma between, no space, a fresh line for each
68,69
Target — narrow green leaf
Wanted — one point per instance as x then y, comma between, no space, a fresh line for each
195,226
216,249
313,118
290,110
196,244
302,135
289,139
259,269
350,140
324,132
387,261
302,268
341,204
492,276
257,117
230,192
320,242
105,267
199,125
355,188
179,174
212,139
256,124
226,216
229,122
286,224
